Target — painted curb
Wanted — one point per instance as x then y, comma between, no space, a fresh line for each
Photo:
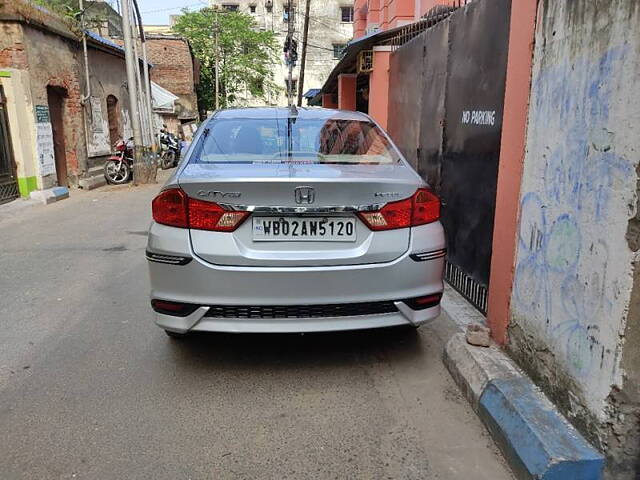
537,441
60,193
50,195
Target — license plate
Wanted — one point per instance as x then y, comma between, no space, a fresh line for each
304,229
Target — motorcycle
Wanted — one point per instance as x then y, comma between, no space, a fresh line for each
118,168
169,150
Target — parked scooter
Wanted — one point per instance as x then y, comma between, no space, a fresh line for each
118,169
169,149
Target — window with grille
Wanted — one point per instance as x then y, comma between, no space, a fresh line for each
338,49
231,7
346,14
365,61
252,8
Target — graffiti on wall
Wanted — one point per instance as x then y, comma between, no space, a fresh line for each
574,196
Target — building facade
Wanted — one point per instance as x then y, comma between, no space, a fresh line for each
176,70
330,29
58,127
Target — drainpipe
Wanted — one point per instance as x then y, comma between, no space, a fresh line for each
84,161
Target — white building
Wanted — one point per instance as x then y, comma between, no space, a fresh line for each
330,28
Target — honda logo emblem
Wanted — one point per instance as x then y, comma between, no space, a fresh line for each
305,195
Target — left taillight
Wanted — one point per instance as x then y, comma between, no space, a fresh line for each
171,208
174,208
421,208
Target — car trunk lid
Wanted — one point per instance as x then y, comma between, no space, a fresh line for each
269,191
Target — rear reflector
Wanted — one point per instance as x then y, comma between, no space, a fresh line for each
176,309
174,208
421,208
428,301
170,259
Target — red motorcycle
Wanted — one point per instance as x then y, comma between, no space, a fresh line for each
118,168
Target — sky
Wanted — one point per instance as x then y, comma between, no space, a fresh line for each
156,12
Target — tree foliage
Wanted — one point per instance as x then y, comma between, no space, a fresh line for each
70,11
246,55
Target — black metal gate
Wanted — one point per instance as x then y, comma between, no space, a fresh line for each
477,66
8,183
445,114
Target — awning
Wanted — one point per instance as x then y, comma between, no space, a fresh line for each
348,62
163,100
312,92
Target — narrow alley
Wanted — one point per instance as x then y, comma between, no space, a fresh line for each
90,388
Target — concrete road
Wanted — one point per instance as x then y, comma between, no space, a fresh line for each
91,389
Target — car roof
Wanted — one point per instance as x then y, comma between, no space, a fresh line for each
310,113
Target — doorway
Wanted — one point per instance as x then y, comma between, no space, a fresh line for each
113,117
8,183
55,98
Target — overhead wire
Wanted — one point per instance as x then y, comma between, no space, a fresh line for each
177,8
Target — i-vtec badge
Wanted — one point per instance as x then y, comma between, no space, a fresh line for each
218,194
386,194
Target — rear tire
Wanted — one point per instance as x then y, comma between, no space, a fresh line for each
175,335
168,160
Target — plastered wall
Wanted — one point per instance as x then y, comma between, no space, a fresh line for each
575,263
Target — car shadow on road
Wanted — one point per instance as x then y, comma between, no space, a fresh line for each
299,350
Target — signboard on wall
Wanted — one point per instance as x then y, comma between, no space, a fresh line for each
44,149
44,141
42,114
96,115
98,126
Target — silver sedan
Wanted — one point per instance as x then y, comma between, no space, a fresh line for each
304,220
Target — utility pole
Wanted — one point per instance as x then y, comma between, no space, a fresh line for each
305,36
148,113
142,108
216,31
142,172
131,80
290,44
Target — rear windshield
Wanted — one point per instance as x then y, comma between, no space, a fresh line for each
293,140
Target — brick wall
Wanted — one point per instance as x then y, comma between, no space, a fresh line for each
173,70
12,53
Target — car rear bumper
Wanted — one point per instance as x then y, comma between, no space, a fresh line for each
203,284
199,322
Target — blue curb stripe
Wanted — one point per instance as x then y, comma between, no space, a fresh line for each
60,192
536,440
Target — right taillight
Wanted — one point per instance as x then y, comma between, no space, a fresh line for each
174,208
426,207
421,208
